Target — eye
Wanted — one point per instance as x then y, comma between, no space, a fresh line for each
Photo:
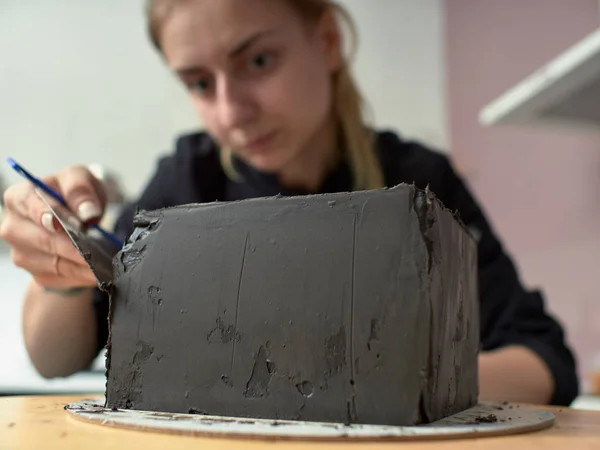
261,61
199,86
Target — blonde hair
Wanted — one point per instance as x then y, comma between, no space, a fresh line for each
349,107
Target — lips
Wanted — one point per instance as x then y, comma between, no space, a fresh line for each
260,143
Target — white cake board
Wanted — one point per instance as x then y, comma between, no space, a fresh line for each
467,424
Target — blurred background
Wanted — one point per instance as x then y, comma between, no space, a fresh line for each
486,81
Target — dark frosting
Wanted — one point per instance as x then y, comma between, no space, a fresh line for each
348,307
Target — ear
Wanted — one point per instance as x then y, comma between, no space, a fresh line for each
330,38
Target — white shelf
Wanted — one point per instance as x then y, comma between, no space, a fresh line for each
566,91
23,379
587,402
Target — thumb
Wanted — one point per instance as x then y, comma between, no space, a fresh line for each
83,192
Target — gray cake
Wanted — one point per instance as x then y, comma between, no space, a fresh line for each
350,307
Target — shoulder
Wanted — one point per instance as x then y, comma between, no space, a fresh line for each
192,152
408,161
191,173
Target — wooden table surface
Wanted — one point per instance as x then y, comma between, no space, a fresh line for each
41,422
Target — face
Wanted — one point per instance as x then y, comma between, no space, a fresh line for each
259,76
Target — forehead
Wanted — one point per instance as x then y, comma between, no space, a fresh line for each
207,29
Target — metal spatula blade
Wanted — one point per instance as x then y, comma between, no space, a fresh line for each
98,252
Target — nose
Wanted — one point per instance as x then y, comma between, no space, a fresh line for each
235,105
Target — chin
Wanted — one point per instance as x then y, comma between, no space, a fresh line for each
268,164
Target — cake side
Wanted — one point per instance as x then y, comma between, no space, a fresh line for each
452,380
310,308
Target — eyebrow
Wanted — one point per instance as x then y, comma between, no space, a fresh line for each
236,50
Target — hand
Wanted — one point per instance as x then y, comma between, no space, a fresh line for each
515,374
38,242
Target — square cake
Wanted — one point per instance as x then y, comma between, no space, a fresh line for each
356,307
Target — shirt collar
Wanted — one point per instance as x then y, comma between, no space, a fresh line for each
339,179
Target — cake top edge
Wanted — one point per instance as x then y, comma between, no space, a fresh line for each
423,194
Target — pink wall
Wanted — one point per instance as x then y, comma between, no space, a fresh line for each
540,187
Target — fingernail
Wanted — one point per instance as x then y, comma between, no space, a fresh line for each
88,211
48,222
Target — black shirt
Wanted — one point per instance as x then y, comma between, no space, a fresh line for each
510,315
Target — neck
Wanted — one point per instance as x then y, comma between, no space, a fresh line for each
309,169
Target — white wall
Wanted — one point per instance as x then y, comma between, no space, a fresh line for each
401,65
79,82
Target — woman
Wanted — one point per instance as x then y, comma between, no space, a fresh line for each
270,82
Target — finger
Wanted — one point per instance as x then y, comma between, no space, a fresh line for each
21,199
83,192
15,198
44,264
24,234
39,213
52,281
